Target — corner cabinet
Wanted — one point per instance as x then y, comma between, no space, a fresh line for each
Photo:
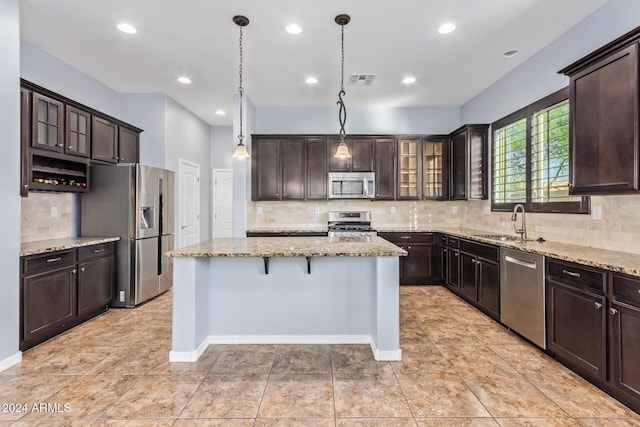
62,289
421,266
469,160
604,119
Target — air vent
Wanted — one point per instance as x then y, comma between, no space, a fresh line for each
361,79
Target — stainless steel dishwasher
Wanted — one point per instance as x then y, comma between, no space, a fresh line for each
522,294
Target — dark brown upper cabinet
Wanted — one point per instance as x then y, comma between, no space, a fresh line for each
78,132
25,128
385,168
409,168
47,123
362,155
316,168
278,168
104,142
469,163
128,145
435,168
603,108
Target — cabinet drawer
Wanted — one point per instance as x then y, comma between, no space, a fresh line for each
408,237
480,250
577,275
94,251
49,261
626,289
454,242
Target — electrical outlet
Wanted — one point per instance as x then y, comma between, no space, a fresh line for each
259,210
54,211
454,209
393,209
316,210
486,210
596,213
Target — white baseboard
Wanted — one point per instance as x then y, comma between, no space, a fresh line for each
10,361
192,356
189,356
290,339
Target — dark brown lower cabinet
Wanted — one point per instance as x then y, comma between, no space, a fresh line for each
62,289
453,264
479,280
421,265
49,303
593,326
576,327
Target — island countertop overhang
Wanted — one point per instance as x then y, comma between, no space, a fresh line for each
318,246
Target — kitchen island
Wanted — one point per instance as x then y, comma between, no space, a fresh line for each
286,290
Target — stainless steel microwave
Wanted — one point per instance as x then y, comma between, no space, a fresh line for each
352,185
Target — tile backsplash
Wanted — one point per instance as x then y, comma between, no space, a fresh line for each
619,228
37,222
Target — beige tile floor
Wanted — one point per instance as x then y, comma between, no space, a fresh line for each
459,368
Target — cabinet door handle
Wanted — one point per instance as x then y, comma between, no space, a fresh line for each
571,273
597,305
97,251
405,237
74,271
445,251
60,145
613,311
54,259
408,247
456,254
121,159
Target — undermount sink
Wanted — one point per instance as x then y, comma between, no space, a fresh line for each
501,237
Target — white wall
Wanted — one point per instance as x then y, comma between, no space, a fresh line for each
223,142
9,165
148,112
188,138
40,68
538,77
440,120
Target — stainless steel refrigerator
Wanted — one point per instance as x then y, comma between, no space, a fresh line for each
134,202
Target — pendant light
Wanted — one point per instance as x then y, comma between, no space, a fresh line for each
241,149
343,151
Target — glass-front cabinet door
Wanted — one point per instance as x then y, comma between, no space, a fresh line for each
409,169
434,172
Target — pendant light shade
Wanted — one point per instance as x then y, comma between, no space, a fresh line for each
241,149
343,151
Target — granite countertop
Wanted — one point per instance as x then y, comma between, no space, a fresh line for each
622,262
52,245
290,247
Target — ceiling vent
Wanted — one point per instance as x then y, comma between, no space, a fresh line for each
361,79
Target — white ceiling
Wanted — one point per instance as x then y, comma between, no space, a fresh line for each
391,39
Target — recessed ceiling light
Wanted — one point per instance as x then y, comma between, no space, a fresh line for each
126,28
220,113
409,80
184,80
447,28
294,29
511,53
311,80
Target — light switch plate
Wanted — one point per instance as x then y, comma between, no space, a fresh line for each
393,209
259,210
486,210
454,209
596,213
54,211
316,210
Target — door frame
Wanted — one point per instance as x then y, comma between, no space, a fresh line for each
213,198
181,164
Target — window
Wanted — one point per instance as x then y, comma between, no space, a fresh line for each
530,160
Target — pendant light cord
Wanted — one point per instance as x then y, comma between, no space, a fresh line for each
240,90
342,112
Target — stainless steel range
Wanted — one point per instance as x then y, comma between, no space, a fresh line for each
350,224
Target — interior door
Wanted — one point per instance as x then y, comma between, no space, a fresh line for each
189,200
222,202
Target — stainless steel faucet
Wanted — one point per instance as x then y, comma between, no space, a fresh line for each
522,231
